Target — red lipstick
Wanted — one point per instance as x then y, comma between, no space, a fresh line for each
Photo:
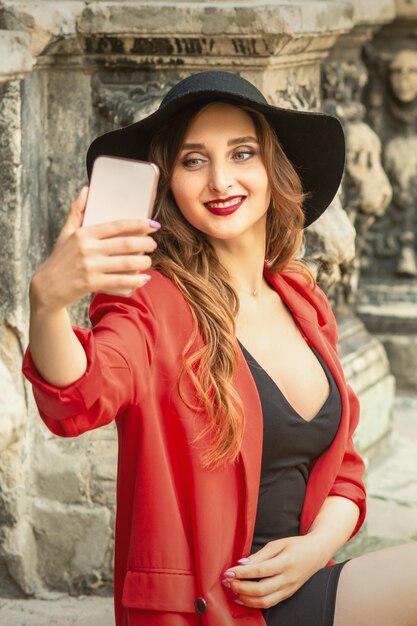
215,206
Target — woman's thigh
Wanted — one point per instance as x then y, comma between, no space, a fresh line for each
379,589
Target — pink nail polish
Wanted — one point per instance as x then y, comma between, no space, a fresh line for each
243,561
226,583
229,574
154,224
239,602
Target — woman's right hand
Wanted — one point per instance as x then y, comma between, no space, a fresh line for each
109,257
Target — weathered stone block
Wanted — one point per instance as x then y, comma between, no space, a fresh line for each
389,310
11,355
72,541
402,354
60,475
19,548
15,55
12,410
9,589
102,454
33,230
10,185
12,465
276,16
376,413
69,105
367,369
12,506
373,12
42,21
406,8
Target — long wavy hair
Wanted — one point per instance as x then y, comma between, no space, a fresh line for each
185,255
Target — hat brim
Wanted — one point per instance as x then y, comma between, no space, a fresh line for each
314,142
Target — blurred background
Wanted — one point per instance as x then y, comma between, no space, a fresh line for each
71,70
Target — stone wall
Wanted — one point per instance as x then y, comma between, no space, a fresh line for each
68,71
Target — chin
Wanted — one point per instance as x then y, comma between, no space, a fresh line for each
225,236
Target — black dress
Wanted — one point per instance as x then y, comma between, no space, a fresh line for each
290,443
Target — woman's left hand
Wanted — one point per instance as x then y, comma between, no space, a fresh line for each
282,567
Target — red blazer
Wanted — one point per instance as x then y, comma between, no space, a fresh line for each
178,526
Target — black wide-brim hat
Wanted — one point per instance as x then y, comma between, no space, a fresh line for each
314,142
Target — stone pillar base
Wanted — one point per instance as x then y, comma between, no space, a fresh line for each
389,311
366,368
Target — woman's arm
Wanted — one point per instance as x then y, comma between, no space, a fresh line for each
108,257
284,565
333,526
56,352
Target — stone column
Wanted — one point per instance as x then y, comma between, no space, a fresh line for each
388,288
17,542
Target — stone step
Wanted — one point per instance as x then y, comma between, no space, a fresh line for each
57,610
392,486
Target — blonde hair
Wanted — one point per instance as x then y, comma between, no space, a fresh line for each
185,255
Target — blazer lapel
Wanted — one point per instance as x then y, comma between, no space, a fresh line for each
251,450
312,321
306,317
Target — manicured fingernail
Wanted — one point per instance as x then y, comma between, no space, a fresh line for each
146,278
226,583
154,224
229,574
243,561
239,602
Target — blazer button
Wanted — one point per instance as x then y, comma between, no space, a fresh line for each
200,605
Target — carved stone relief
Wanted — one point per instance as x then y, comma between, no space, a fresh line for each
366,191
330,245
121,103
296,97
392,99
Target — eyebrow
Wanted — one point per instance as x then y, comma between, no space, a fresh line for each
231,142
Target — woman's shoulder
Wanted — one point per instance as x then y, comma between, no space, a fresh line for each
309,287
312,294
305,289
302,280
315,294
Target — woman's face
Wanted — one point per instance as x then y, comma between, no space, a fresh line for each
219,180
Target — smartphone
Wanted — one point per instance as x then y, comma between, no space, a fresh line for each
120,189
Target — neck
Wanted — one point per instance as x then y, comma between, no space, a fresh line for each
244,260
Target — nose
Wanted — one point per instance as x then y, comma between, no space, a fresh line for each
221,178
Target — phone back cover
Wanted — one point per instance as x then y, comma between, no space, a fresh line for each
120,189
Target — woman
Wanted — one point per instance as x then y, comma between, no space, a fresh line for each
237,476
